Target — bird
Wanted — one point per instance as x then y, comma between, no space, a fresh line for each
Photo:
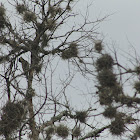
25,66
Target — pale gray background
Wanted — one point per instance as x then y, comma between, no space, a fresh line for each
122,25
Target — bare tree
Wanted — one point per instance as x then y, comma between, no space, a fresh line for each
43,51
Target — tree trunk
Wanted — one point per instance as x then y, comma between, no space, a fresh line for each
32,123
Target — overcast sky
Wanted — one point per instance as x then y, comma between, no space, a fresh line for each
124,22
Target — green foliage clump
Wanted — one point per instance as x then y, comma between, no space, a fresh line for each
117,126
71,52
110,112
54,11
50,130
117,90
137,86
11,118
98,46
81,116
76,132
104,62
62,131
126,100
109,88
21,8
107,78
105,98
45,40
50,24
29,16
109,94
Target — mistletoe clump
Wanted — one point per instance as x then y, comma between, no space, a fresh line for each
104,62
11,118
117,90
50,130
55,10
107,78
51,24
76,132
126,100
29,16
98,46
21,8
62,131
71,52
117,126
81,116
105,98
110,112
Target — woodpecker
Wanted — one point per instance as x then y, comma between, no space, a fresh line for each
25,66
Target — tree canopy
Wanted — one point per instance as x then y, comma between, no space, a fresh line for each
58,80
